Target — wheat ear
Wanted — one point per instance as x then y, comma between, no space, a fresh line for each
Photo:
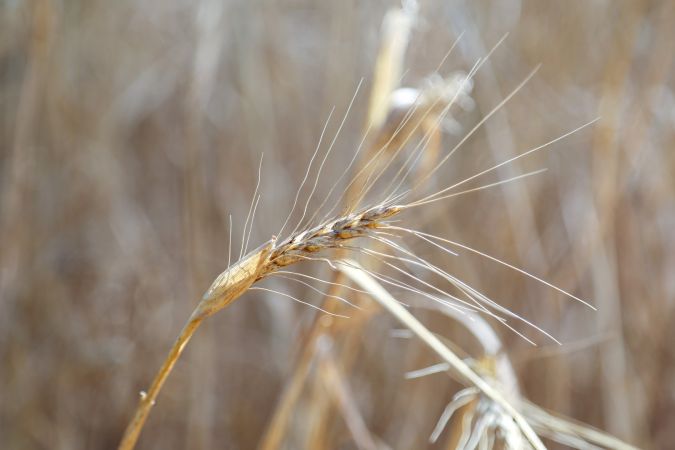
237,279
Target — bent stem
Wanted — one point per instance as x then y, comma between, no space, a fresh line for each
147,400
229,286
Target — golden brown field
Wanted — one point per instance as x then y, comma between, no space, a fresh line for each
131,138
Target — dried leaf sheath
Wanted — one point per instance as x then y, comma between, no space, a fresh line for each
234,281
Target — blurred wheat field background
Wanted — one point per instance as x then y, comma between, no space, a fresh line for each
131,131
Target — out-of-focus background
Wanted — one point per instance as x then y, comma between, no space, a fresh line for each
130,131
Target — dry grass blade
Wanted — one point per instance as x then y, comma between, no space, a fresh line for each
366,282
